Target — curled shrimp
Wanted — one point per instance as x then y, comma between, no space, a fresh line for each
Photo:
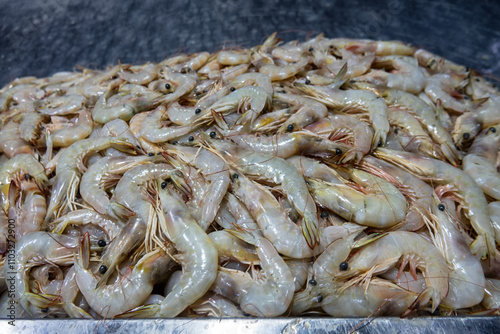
379,48
80,129
466,128
130,290
30,128
32,210
308,111
233,57
84,217
231,247
383,253
198,256
480,162
255,79
153,131
278,73
60,105
10,141
435,63
382,205
346,100
472,197
289,52
234,214
139,75
407,76
442,87
279,171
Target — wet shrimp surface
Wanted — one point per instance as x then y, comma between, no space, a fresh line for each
335,177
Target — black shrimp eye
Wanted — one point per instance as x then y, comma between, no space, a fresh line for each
42,127
466,135
380,143
101,243
343,266
235,176
191,138
103,269
396,131
492,129
311,49
212,134
308,82
289,128
137,147
197,111
313,281
441,207
174,142
167,86
232,89
320,298
44,310
338,151
151,154
27,177
324,214
466,97
163,184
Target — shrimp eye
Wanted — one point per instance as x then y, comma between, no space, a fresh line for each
343,266
320,298
235,176
151,154
311,49
44,310
163,184
103,269
441,207
191,138
466,97
313,282
232,89
42,127
197,111
174,142
492,129
167,86
212,134
27,177
466,135
289,128
324,214
101,243
380,143
396,131
338,151
308,82
137,147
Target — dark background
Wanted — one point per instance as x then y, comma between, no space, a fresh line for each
41,37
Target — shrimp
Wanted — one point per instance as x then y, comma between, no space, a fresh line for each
30,128
435,63
280,172
466,128
285,145
231,73
480,162
233,213
140,75
442,87
279,73
491,299
10,141
131,289
233,57
419,194
135,126
357,131
255,79
345,100
356,64
80,129
230,247
86,216
32,210
383,253
153,131
383,206
406,76
424,113
308,111
215,170
311,168
466,277
60,105
191,62
180,115
379,48
270,291
198,257
219,307
68,171
289,52
101,175
474,202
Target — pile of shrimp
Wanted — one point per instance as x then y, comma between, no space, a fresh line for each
334,177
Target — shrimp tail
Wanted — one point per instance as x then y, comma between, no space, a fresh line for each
310,229
423,299
246,236
42,300
379,138
119,211
142,312
75,312
451,154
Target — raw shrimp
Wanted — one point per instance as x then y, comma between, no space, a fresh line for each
10,141
233,57
289,52
60,105
230,247
439,64
491,299
32,210
480,162
278,73
466,128
140,75
442,87
311,168
379,48
285,145
280,172
357,131
30,128
130,290
198,257
407,76
233,214
346,100
474,202
219,307
308,111
383,253
255,79
69,167
382,206
80,129
86,216
152,128
466,277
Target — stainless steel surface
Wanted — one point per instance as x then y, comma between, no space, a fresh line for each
279,325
